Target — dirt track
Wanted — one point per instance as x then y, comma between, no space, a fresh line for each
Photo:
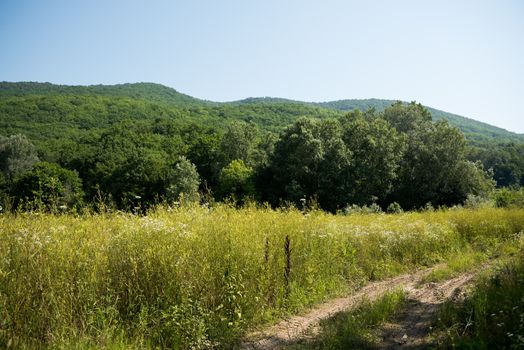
408,332
410,328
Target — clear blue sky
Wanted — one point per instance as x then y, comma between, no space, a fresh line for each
465,57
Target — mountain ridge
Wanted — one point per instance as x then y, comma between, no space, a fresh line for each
158,93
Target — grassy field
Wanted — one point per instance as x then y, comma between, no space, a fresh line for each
492,316
195,278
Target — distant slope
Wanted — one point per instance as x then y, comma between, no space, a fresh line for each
268,112
473,129
146,91
46,112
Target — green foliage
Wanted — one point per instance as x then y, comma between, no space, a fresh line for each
350,160
476,132
296,161
434,167
509,198
269,113
407,118
394,208
358,160
377,150
492,317
48,186
17,155
184,182
124,141
238,143
144,91
236,180
204,151
505,159
132,168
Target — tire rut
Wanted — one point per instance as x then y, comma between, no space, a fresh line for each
293,329
410,328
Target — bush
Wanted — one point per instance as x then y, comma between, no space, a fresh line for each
364,209
48,186
509,198
394,208
476,202
17,155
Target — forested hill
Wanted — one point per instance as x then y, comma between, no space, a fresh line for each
139,144
269,113
147,91
473,129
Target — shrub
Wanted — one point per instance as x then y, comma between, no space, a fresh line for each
364,209
48,186
394,208
509,198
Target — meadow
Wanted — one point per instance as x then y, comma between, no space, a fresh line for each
200,277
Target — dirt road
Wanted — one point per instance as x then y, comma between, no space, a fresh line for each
409,331
410,328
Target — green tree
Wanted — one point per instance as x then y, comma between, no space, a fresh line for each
133,168
204,151
434,168
377,149
236,180
183,182
406,118
505,159
296,162
239,142
332,192
50,186
17,155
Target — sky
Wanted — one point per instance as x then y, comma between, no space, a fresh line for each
461,56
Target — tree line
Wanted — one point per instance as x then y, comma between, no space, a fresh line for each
396,157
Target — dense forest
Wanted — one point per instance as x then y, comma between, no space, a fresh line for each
134,145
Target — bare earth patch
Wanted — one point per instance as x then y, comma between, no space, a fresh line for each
409,331
411,326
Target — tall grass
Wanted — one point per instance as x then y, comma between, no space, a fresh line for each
198,277
492,316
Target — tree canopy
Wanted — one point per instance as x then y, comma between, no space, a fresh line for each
141,152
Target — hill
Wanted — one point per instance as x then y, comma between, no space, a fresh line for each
126,139
473,129
268,112
146,91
